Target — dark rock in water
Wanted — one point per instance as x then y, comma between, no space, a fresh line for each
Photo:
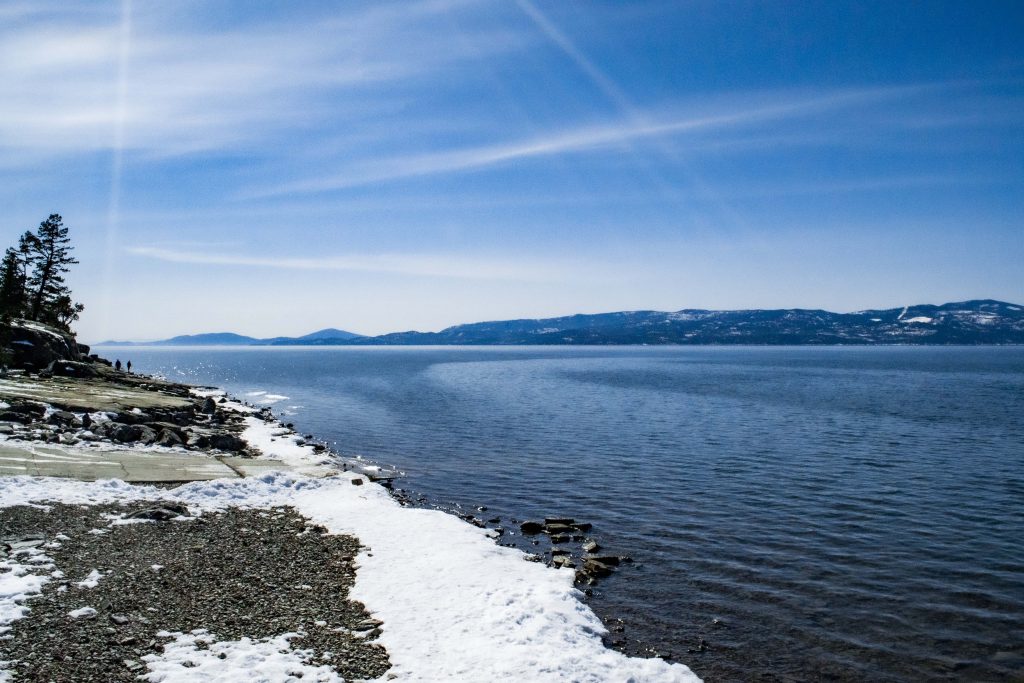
531,527
567,521
227,442
591,546
559,551
561,539
558,529
582,526
592,567
610,560
209,406
562,561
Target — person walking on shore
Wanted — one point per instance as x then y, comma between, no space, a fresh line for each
117,365
129,366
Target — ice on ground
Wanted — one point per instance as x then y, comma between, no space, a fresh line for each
18,582
455,605
86,612
90,581
269,659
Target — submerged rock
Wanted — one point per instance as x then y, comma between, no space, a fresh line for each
531,528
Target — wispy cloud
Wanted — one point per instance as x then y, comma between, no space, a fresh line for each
477,267
590,138
67,85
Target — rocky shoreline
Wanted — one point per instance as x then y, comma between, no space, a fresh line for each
121,598
178,418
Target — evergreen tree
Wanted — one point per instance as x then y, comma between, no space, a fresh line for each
49,255
12,286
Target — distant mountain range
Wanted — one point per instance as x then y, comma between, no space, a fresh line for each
328,336
966,322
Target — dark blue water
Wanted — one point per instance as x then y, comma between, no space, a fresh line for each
812,513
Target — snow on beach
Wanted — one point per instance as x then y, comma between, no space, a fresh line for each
454,605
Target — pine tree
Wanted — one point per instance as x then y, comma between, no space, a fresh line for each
49,254
12,285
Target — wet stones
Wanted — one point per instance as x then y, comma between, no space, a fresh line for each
531,528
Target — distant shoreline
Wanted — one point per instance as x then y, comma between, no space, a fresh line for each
981,322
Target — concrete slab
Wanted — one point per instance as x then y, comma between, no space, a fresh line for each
91,465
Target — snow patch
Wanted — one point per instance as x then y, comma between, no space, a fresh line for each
269,659
90,581
918,319
81,612
18,583
455,605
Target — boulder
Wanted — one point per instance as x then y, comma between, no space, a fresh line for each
209,406
592,567
128,433
591,546
130,417
227,442
30,409
63,417
531,528
71,368
35,345
160,514
169,439
160,426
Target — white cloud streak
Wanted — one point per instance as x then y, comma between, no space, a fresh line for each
195,89
422,265
586,139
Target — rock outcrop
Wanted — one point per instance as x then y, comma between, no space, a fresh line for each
34,346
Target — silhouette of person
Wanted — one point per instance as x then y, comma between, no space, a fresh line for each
117,364
129,366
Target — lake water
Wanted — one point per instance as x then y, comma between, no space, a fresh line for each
812,513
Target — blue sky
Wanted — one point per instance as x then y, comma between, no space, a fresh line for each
278,167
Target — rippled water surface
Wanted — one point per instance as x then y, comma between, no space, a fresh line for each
812,513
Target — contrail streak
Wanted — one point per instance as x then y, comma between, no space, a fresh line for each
117,154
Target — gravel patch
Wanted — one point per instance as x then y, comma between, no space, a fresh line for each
236,573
